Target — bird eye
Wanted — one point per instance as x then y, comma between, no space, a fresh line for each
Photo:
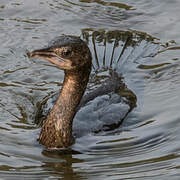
66,52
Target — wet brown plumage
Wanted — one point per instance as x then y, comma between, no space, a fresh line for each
72,55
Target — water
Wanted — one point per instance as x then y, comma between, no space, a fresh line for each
146,146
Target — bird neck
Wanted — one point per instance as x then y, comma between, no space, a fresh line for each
57,129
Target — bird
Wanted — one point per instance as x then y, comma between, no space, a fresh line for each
71,54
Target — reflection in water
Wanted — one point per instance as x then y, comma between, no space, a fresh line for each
64,166
120,41
104,3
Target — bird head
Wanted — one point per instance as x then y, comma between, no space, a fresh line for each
66,52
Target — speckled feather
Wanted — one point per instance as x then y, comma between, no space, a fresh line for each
56,131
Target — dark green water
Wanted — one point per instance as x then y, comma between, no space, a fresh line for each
147,145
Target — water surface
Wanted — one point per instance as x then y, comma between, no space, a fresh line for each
147,144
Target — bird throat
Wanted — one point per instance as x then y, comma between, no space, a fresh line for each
56,131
